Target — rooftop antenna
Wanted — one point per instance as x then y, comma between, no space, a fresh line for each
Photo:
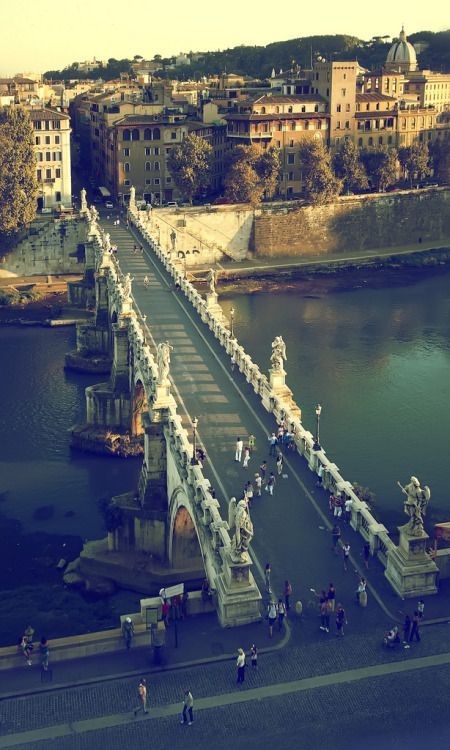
311,56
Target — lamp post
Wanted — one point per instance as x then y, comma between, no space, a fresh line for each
316,445
232,311
194,460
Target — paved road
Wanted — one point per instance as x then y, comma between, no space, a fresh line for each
292,528
299,697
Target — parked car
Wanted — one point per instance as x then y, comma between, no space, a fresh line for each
171,204
109,204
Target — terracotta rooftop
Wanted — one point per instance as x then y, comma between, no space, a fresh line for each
375,97
45,113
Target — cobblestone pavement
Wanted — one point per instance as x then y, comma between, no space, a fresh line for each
388,710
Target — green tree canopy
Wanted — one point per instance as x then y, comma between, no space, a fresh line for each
349,168
416,161
320,184
381,166
252,172
18,182
190,165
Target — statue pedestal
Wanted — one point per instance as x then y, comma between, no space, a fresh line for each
277,388
409,570
163,398
238,597
212,305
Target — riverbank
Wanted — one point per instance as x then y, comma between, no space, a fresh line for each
40,306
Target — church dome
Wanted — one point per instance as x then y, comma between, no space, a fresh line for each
402,55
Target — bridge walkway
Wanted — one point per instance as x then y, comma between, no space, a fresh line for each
292,527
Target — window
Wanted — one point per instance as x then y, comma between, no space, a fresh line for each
135,134
168,179
40,156
126,166
147,134
347,124
58,173
343,92
156,181
377,105
338,125
56,125
126,152
48,156
303,108
370,141
148,151
58,196
290,176
156,134
156,166
37,125
380,140
173,135
37,140
292,125
47,140
47,124
148,181
127,183
156,150
291,144
390,140
338,108
306,125
277,109
126,135
48,174
39,174
263,110
147,166
347,107
360,141
319,125
57,139
290,110
316,108
291,158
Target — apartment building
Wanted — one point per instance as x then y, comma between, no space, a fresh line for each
53,168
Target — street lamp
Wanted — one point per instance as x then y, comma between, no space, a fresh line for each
194,460
316,445
232,311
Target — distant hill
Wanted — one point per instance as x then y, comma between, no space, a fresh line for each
258,62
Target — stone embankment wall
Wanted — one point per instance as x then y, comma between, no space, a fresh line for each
48,248
354,223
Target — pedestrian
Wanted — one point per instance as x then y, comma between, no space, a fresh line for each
361,593
254,656
270,483
146,281
279,463
239,447
415,632
420,608
258,484
325,610
366,554
406,628
165,611
26,649
262,470
319,475
240,664
44,653
346,554
128,631
246,457
251,443
29,633
335,535
142,693
348,505
134,249
331,596
271,616
272,444
331,502
233,362
188,707
340,620
267,572
281,612
287,595
141,249
248,493
337,510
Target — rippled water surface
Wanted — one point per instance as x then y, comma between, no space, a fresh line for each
378,360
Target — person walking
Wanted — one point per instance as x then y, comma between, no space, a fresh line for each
251,443
272,444
267,572
319,475
44,653
406,628
325,610
239,447
420,608
340,620
336,535
348,505
188,707
26,649
331,596
128,632
287,595
240,664
262,470
246,457
146,281
258,484
346,554
361,593
415,632
281,612
29,634
271,616
270,483
254,656
142,693
248,493
279,463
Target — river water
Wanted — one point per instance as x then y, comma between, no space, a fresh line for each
378,360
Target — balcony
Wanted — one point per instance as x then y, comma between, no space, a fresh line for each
252,136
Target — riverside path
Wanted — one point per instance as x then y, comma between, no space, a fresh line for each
292,528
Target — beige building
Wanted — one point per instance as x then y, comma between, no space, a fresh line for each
53,167
376,120
335,82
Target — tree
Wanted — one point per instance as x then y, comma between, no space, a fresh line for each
18,182
252,171
190,165
440,158
381,166
348,167
416,161
320,184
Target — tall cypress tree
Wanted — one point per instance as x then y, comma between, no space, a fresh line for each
18,182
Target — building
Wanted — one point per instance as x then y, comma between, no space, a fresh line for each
402,55
284,122
52,144
335,83
376,120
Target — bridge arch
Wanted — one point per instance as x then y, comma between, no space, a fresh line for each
139,404
184,548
